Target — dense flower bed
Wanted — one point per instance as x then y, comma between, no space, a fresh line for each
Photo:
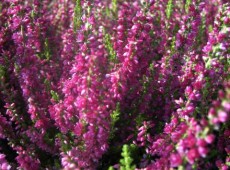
114,84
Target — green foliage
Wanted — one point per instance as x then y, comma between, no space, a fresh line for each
126,161
111,168
169,9
208,63
215,53
201,33
47,52
228,164
50,136
113,11
114,7
139,119
47,84
77,15
0,9
173,45
109,48
181,167
57,164
187,4
54,95
114,118
67,141
2,71
107,11
32,14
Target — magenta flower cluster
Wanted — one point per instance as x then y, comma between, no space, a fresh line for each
135,84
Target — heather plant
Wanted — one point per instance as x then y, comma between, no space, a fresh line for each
135,84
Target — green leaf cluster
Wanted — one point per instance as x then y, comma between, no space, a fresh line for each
187,4
77,15
109,48
169,9
126,161
114,118
54,95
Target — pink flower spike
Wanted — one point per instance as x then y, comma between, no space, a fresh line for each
175,160
210,138
222,116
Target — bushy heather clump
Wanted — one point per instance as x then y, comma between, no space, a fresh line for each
135,84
